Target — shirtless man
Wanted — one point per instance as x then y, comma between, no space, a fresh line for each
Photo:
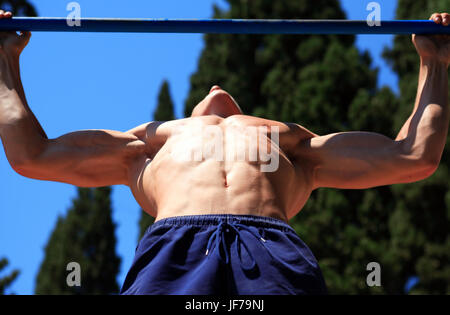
221,224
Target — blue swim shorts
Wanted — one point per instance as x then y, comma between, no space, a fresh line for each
223,255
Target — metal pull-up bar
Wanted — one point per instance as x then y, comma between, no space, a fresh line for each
40,24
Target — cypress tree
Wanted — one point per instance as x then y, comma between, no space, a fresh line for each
165,108
85,236
7,280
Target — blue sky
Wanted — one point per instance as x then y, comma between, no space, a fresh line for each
108,81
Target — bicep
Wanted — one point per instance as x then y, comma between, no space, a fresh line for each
90,158
359,160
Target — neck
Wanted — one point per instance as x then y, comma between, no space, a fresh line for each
221,112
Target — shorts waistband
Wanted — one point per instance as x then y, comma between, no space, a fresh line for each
216,219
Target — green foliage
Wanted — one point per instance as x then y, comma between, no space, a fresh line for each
5,281
144,223
420,219
86,236
262,72
327,85
164,112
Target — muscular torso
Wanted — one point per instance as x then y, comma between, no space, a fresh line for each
172,179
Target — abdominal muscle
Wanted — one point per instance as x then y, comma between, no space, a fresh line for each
165,186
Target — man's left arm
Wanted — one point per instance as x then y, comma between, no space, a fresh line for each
359,160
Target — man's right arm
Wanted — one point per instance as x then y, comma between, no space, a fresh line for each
90,158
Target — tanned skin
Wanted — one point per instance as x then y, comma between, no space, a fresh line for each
142,158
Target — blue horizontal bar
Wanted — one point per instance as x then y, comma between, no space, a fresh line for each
223,26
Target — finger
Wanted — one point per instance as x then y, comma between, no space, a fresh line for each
4,14
6,34
445,19
439,38
25,34
437,18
